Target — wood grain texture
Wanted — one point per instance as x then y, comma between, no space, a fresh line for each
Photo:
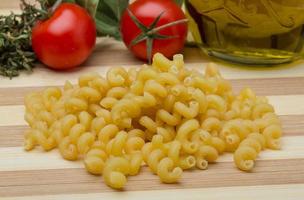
262,192
15,159
38,175
12,136
71,181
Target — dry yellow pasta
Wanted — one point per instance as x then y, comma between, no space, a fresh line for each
167,172
94,161
115,171
165,116
135,161
204,155
183,135
117,76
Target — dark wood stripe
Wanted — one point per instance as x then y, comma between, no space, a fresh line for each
67,181
12,136
293,125
269,86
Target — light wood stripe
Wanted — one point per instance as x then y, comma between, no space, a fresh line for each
101,60
292,86
12,136
14,114
288,105
263,192
16,159
77,181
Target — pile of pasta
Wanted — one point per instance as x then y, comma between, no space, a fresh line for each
165,116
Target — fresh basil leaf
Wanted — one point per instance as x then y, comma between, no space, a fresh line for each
89,5
179,2
106,29
107,14
117,7
106,22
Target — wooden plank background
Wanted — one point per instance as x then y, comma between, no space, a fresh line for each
42,176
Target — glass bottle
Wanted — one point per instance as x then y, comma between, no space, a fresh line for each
248,31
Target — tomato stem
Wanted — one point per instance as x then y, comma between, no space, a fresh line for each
55,6
155,30
149,33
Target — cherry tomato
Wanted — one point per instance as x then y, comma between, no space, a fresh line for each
147,11
66,39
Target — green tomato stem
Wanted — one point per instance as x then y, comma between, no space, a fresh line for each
155,30
55,6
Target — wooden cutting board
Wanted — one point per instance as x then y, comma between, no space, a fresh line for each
39,176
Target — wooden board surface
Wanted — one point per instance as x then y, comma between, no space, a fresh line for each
42,176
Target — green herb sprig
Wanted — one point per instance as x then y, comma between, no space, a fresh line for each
16,53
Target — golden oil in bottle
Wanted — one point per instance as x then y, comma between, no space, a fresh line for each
249,31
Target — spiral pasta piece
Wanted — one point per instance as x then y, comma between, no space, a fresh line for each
95,160
204,155
167,172
273,135
244,158
115,171
117,76
183,135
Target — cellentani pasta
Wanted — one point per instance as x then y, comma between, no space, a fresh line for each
165,116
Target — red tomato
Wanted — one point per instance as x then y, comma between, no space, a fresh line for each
146,11
66,39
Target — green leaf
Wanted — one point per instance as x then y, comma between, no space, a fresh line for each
179,2
107,14
118,6
106,28
90,5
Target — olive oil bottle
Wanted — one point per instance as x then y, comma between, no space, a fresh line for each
249,31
